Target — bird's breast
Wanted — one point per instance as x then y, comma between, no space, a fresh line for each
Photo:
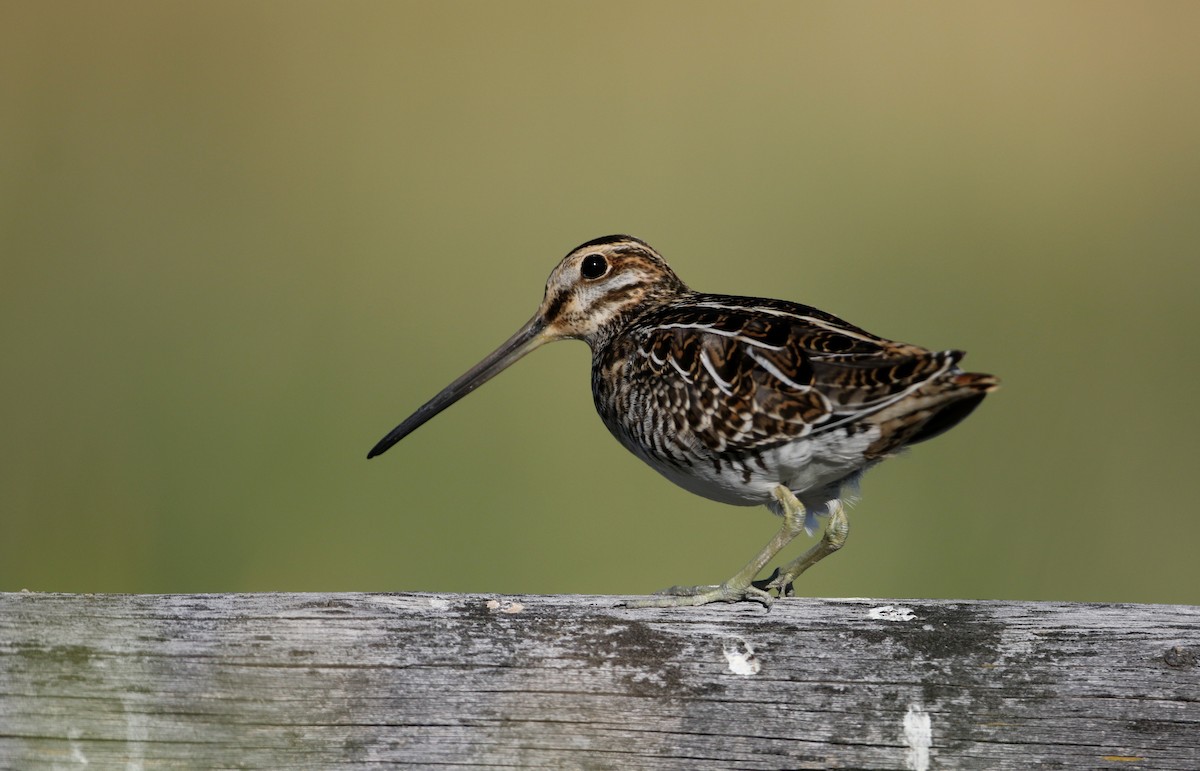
669,441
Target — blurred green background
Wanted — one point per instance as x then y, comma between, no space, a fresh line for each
239,241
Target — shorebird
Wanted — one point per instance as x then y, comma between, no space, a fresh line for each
742,400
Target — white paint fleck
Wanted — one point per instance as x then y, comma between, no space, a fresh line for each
437,603
741,658
918,735
891,613
507,606
77,755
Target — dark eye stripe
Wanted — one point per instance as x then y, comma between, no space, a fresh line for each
556,306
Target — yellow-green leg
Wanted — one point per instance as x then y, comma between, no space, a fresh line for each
741,585
834,538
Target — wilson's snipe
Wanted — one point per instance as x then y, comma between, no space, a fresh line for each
739,399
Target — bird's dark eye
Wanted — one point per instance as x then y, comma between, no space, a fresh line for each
594,266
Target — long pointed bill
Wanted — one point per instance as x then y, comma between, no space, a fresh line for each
530,336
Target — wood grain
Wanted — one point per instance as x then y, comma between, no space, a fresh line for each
327,681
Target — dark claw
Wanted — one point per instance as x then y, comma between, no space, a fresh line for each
771,582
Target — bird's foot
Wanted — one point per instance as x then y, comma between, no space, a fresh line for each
690,596
743,587
778,582
782,579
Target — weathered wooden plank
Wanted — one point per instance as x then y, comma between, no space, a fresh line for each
347,680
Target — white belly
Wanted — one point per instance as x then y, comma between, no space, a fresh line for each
813,468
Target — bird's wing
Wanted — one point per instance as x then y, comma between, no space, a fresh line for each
742,374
